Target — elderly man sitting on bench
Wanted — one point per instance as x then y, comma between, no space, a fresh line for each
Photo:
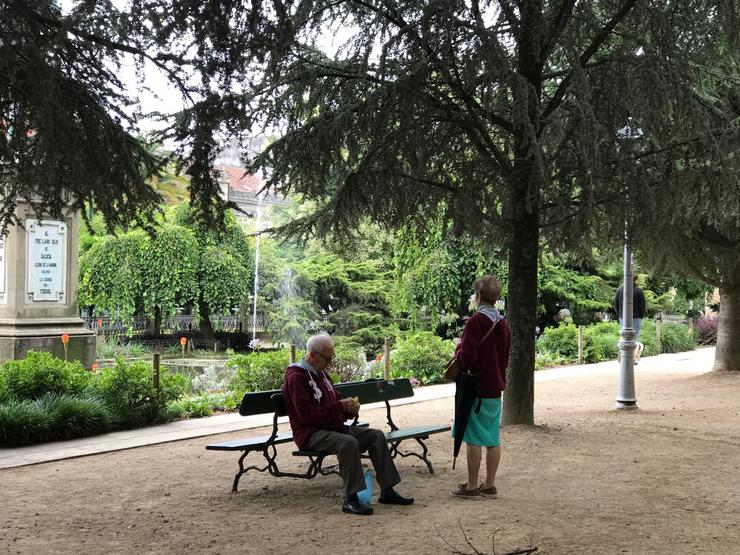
317,417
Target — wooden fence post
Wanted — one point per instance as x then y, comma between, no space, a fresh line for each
658,325
155,365
387,355
580,344
292,353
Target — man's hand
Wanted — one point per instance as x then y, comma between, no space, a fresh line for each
349,406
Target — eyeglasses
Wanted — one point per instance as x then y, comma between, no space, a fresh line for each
326,358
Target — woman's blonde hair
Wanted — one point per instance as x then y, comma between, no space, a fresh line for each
488,289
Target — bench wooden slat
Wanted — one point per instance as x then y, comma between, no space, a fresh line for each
414,432
377,391
259,402
257,442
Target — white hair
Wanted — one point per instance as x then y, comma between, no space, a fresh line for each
317,341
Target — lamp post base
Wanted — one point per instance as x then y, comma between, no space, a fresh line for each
626,405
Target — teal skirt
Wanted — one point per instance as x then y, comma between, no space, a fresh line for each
484,426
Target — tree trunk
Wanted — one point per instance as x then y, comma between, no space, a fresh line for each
157,323
523,210
204,314
521,302
727,355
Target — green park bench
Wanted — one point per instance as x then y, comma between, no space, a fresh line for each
371,391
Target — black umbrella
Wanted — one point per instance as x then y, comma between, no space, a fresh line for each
466,393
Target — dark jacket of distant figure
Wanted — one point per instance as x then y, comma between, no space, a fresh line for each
488,360
638,302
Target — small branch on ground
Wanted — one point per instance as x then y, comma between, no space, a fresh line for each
515,551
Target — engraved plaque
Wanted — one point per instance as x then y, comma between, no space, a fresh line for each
46,260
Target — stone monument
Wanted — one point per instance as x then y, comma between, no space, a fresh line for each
38,289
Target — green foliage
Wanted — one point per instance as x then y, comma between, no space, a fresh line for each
600,342
111,274
583,293
225,261
561,341
183,262
23,421
435,272
51,417
128,390
41,373
676,338
204,404
648,338
349,362
258,371
169,269
421,355
546,359
111,347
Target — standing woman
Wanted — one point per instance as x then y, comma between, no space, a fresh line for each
487,357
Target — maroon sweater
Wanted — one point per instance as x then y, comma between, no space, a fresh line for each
312,403
488,360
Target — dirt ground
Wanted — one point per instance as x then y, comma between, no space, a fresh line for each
587,479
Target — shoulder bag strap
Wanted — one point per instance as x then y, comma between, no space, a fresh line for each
489,331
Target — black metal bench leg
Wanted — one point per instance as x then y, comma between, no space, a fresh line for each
424,455
235,486
395,451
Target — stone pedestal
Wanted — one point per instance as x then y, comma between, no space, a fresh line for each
38,289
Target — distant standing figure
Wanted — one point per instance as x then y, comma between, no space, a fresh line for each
487,360
638,309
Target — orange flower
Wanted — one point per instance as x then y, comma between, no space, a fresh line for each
94,367
65,338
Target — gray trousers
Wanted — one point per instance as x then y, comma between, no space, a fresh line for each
348,446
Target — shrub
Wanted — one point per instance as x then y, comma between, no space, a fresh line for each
128,390
421,355
201,405
649,339
675,338
41,373
706,329
258,371
74,416
111,346
546,359
600,341
23,421
562,341
52,417
349,362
